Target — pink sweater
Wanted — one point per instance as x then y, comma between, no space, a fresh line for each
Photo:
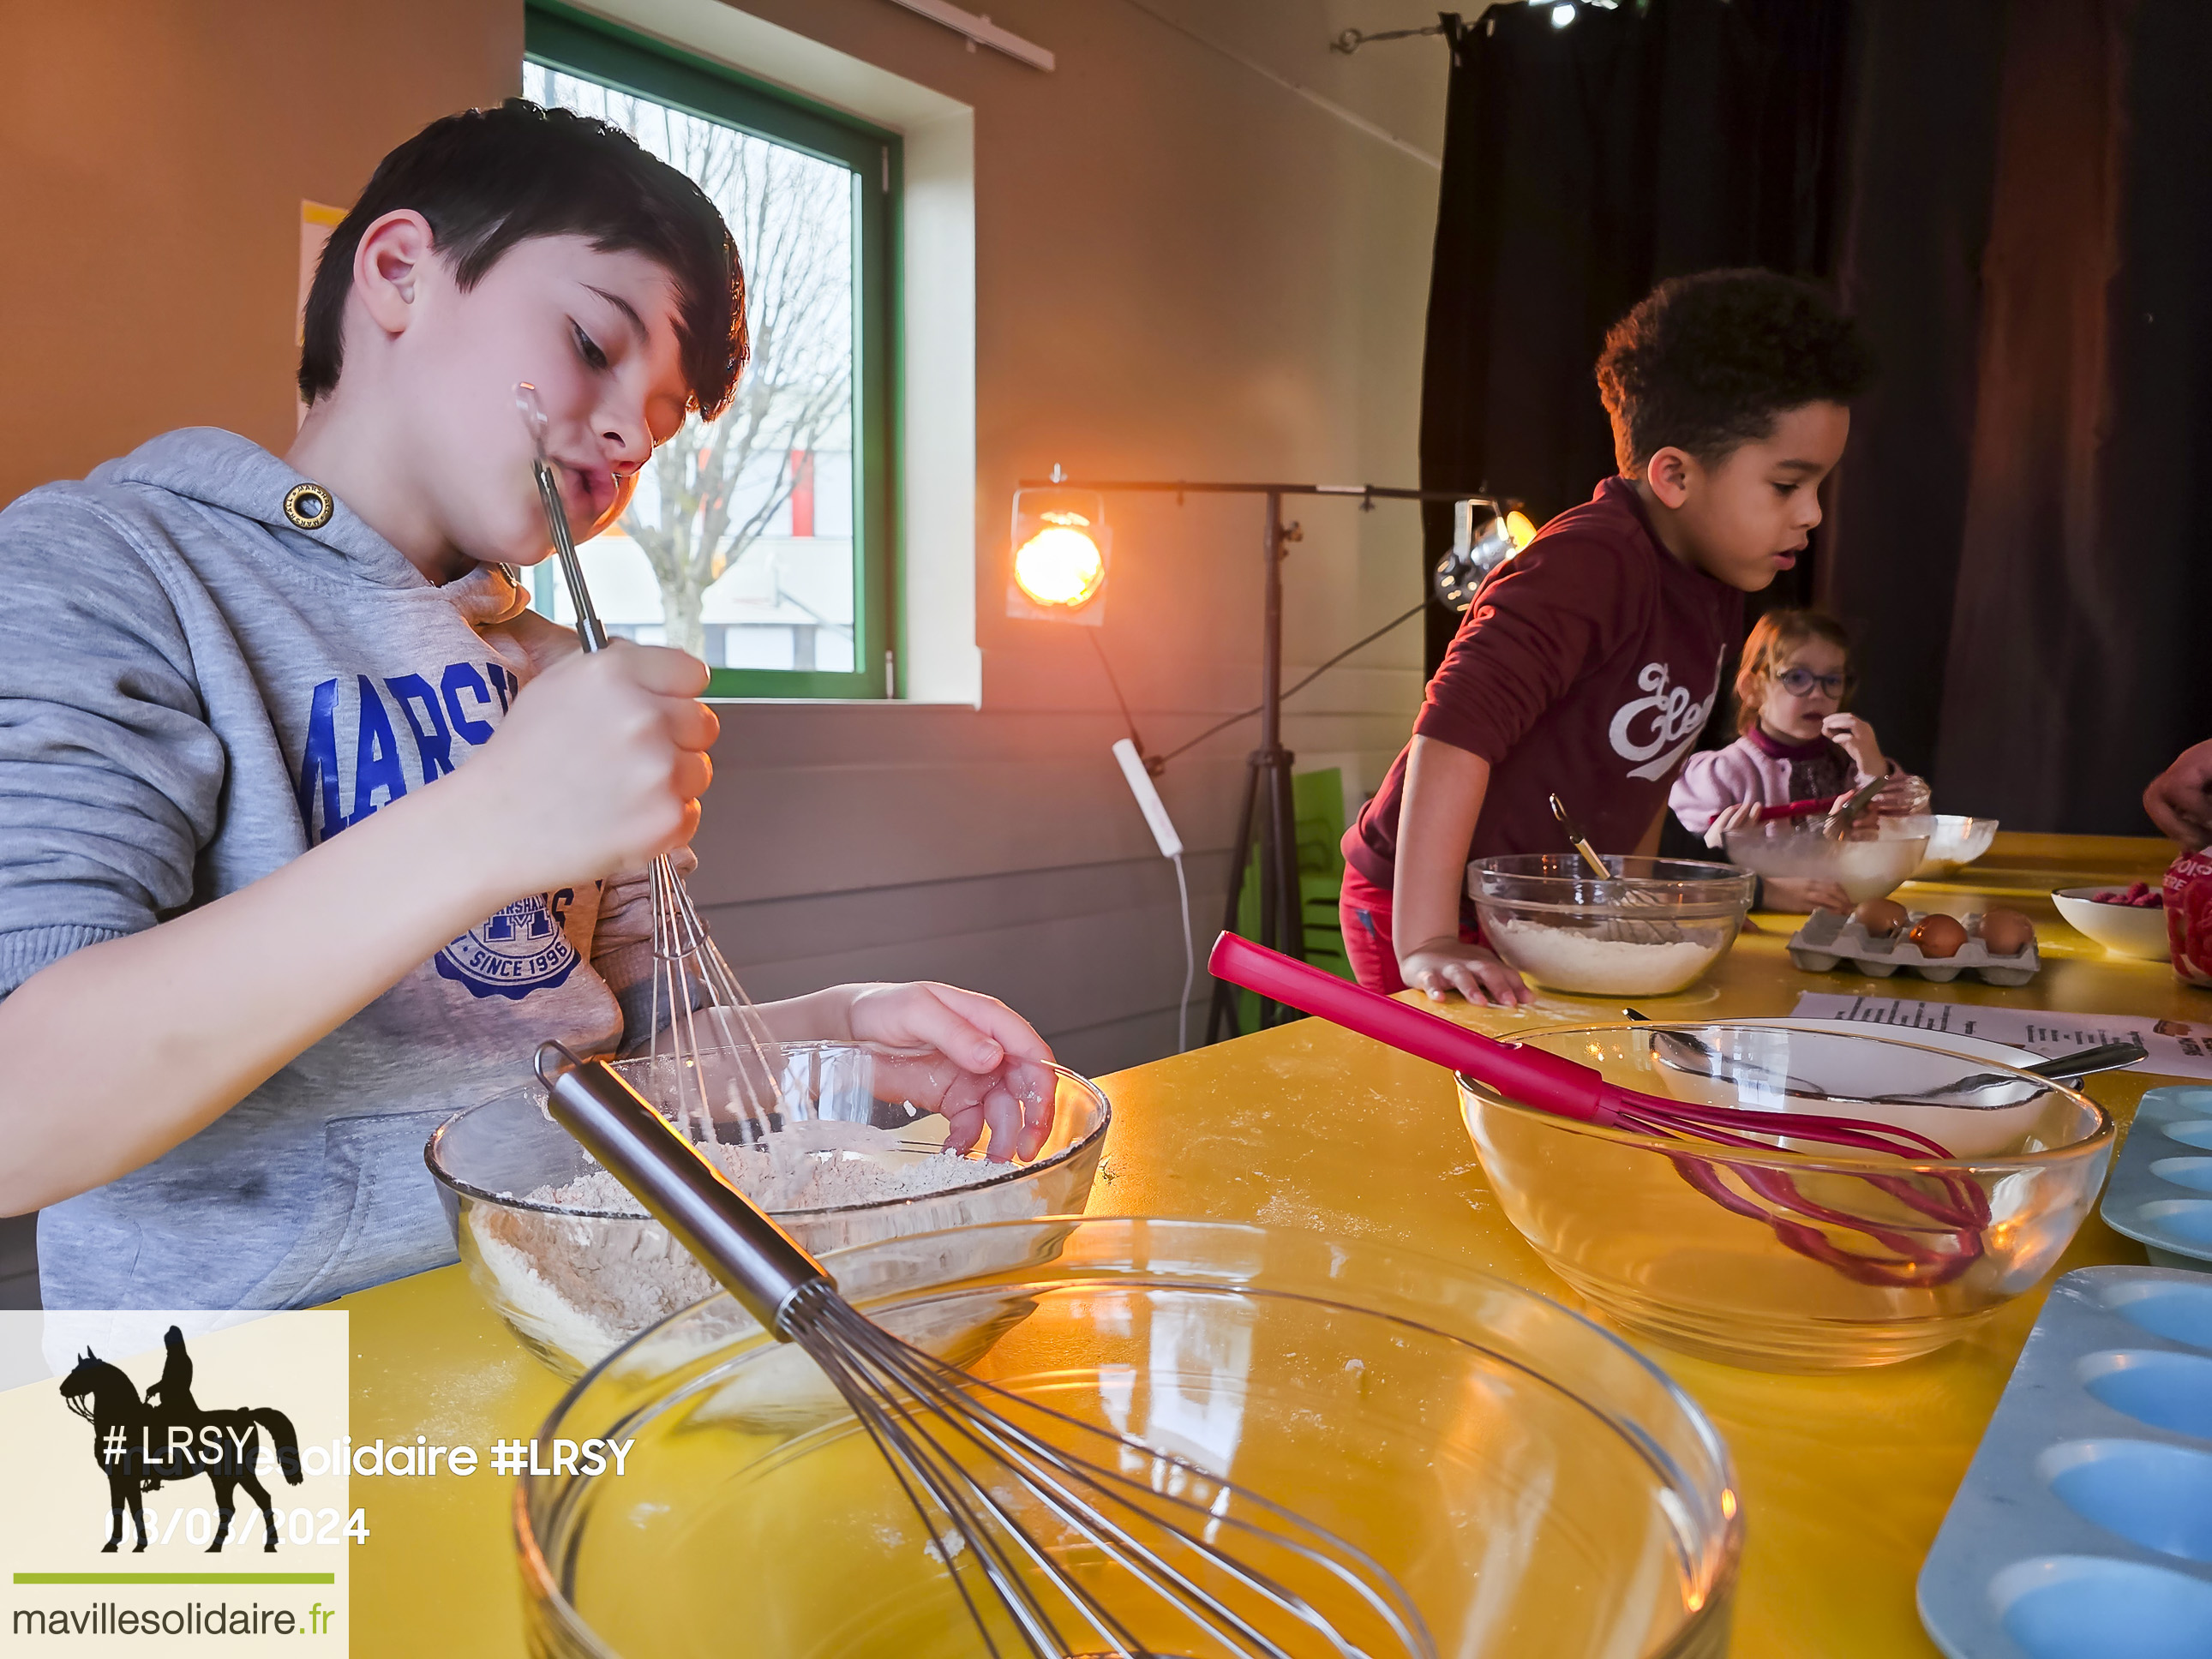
1762,768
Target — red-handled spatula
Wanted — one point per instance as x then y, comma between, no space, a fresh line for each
1548,1082
1552,1082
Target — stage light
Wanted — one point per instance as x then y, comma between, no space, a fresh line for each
1061,564
1473,557
1060,545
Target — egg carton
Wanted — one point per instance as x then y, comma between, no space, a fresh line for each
2160,1192
1829,939
2084,1525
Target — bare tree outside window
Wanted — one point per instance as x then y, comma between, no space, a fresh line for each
726,513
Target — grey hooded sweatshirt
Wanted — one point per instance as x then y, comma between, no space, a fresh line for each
194,690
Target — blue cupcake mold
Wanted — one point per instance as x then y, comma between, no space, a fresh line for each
2161,1190
2175,1309
2166,1390
2083,1528
2063,1607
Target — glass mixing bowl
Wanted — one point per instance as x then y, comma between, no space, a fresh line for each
575,1281
1536,1487
1790,1256
1871,863
1652,929
1953,842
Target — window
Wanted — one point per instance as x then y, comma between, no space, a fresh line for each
760,541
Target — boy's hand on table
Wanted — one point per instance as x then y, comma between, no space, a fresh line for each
1856,738
597,767
1439,966
997,1079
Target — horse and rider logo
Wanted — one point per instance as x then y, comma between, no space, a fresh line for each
167,1435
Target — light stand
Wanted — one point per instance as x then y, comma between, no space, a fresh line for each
1268,799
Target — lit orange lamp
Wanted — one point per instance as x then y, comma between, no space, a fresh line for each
1061,541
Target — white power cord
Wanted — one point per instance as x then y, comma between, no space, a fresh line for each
1163,831
1189,964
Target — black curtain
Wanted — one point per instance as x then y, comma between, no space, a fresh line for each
1582,164
1922,161
2022,539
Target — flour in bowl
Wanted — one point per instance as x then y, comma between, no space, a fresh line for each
576,1286
821,1166
1568,960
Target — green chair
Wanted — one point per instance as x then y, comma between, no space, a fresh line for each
1317,800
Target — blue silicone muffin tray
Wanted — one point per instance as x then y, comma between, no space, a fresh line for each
2160,1192
2083,1528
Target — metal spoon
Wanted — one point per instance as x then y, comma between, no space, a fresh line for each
2104,1057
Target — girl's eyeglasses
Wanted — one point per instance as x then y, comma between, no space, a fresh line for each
1802,682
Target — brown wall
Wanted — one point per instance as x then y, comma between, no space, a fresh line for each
153,157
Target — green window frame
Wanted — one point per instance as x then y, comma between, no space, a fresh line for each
561,38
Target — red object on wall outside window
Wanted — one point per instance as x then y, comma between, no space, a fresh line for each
802,492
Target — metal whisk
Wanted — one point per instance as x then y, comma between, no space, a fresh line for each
707,1037
1061,1538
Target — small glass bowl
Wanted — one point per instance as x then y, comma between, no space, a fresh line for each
574,1283
1871,863
1536,1487
1652,929
1844,1266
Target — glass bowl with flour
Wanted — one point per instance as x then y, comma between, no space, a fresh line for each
1653,927
573,1265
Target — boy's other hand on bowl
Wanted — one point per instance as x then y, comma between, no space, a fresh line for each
1005,1085
1440,966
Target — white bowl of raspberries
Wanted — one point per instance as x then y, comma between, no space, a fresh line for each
2127,922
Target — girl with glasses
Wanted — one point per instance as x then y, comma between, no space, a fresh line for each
1797,747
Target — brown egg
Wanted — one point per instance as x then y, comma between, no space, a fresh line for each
1881,918
1939,936
2007,932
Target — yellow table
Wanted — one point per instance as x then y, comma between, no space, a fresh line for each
1845,1478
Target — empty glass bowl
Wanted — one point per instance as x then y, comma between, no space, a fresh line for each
1953,841
1870,863
1783,1254
576,1279
1536,1487
1650,930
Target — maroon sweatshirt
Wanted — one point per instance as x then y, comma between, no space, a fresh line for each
1587,664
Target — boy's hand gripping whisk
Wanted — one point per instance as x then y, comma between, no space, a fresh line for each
710,1046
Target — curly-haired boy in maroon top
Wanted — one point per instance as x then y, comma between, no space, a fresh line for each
1588,662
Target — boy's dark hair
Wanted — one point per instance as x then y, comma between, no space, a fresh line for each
488,178
1705,363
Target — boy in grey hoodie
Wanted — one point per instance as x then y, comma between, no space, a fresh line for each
226,1026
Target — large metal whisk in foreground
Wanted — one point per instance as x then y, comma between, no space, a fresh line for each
1060,1538
707,1036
